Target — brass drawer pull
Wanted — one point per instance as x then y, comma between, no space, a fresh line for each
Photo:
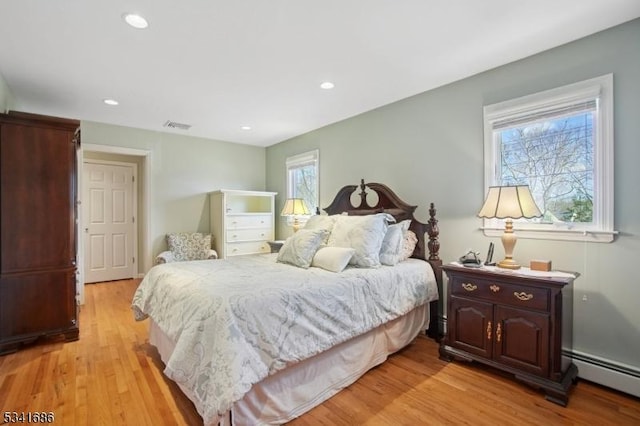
494,288
499,332
523,296
469,286
489,331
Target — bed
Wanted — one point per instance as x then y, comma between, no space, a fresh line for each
262,339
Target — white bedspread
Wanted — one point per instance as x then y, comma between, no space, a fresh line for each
238,320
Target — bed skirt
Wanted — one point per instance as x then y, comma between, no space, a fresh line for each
295,390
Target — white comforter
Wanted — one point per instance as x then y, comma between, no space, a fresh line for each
238,320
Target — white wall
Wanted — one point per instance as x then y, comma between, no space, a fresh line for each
429,148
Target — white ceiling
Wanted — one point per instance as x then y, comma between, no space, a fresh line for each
219,65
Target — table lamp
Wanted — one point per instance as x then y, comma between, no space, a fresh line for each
295,207
509,202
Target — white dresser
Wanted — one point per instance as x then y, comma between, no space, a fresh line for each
242,221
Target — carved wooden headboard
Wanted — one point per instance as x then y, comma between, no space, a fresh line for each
389,202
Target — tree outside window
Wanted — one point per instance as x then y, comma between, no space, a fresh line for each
555,158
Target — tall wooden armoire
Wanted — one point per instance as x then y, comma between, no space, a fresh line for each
38,228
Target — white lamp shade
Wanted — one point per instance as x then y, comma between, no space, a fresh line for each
294,207
513,202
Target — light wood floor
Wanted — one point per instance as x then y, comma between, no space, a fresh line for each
112,376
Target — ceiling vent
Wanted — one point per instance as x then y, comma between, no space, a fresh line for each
174,125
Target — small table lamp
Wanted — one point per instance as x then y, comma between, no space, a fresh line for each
295,207
509,202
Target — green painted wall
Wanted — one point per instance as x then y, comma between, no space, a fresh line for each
183,170
6,98
429,148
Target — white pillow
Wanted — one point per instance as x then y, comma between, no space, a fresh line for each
298,249
333,259
362,233
392,243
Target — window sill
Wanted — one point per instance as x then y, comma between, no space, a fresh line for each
556,234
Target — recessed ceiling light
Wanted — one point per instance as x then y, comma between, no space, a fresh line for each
112,102
135,20
327,85
246,127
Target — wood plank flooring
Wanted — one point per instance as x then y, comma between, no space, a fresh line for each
112,376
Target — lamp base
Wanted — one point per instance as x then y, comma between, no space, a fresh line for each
508,264
508,242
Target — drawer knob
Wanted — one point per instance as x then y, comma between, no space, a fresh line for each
469,286
495,288
523,296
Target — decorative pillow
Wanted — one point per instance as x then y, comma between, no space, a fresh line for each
333,259
189,245
321,221
392,243
408,245
362,233
298,249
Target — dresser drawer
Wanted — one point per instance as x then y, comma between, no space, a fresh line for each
506,294
249,221
236,235
248,247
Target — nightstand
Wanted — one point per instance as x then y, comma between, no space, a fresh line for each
275,245
516,321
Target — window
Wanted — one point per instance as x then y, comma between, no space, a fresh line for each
302,178
560,143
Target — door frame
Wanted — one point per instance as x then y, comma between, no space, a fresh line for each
134,206
144,200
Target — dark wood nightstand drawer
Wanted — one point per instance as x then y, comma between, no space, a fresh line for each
498,292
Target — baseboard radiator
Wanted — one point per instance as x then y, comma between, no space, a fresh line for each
624,378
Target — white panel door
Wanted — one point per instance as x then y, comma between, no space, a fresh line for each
108,222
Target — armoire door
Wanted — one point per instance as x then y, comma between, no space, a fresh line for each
38,198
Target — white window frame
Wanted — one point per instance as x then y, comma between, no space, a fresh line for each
599,89
296,161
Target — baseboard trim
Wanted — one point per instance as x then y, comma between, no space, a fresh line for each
621,377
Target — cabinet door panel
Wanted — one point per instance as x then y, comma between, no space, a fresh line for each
37,303
38,202
522,339
469,326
